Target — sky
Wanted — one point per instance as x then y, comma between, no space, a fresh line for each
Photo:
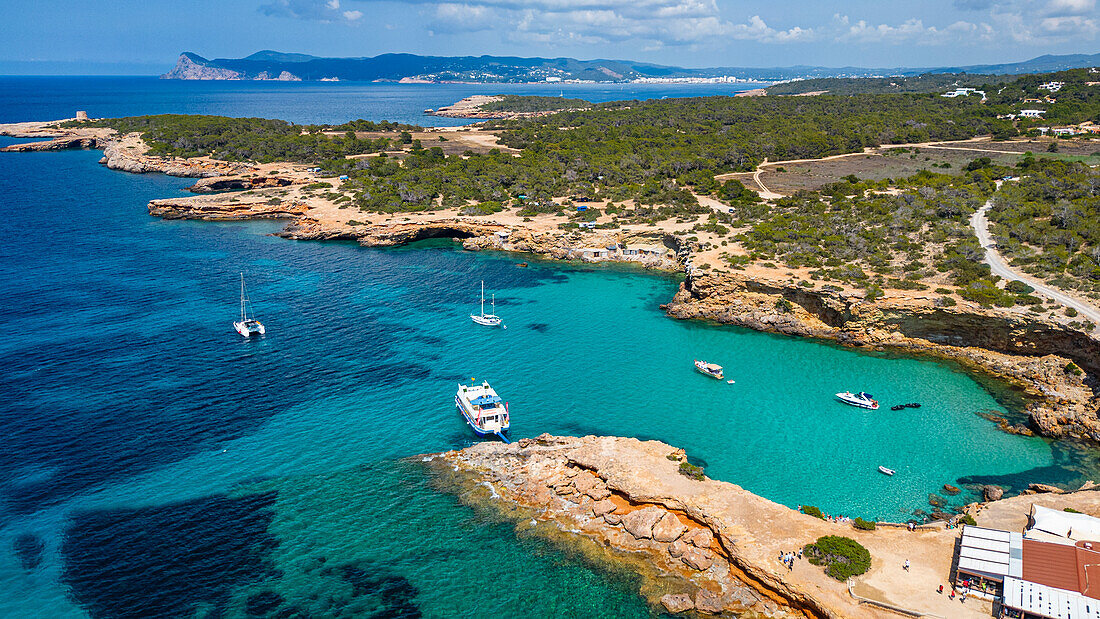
146,36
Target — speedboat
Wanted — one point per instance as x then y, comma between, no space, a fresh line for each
710,369
483,409
886,471
246,326
861,399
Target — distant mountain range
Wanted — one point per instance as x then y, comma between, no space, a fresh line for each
270,65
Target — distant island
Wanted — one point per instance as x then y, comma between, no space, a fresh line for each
412,68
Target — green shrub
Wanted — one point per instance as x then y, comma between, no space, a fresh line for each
1071,510
842,557
688,469
968,519
873,292
1071,368
1018,287
1071,312
863,525
810,510
484,208
783,305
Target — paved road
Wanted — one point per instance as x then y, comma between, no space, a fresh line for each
999,267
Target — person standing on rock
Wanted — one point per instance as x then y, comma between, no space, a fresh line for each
907,565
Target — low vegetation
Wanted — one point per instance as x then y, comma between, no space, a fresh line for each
810,510
690,470
524,103
842,557
863,525
1048,223
248,139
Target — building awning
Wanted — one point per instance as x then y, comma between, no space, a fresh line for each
1044,601
990,553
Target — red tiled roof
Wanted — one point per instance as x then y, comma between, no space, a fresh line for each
1074,568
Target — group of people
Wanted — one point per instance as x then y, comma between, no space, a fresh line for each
960,594
787,558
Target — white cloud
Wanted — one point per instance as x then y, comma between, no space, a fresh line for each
315,10
656,24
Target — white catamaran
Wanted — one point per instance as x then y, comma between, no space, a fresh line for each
483,409
489,320
247,326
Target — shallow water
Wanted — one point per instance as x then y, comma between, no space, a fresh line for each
139,424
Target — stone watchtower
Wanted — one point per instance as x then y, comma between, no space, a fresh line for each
81,115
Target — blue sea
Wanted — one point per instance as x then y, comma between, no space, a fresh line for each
156,464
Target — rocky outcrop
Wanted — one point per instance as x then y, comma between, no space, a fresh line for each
722,557
219,208
229,183
128,155
992,493
190,67
64,143
677,603
1029,352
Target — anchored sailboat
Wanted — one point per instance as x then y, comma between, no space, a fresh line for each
247,326
488,320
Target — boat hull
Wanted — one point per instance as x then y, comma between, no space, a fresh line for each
472,421
857,402
720,374
486,321
248,330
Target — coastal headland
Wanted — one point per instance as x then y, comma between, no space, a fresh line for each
1008,343
713,547
706,546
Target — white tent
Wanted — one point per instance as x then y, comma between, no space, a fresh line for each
1064,524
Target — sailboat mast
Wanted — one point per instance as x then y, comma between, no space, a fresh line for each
494,304
482,297
242,298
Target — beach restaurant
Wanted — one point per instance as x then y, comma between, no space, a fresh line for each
1049,571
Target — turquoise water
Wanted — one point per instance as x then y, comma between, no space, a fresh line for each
157,464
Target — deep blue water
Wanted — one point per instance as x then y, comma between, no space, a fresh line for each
157,464
38,98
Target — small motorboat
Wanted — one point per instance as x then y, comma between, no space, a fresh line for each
886,471
710,369
861,399
898,407
522,265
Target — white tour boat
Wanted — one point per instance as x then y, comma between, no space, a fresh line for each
710,369
488,320
247,326
483,409
861,399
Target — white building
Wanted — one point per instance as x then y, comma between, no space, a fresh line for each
1032,113
1052,86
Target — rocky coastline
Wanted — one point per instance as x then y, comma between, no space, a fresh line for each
1030,353
711,547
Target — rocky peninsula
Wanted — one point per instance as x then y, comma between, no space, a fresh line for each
711,547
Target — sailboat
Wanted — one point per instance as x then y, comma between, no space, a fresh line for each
247,326
488,320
